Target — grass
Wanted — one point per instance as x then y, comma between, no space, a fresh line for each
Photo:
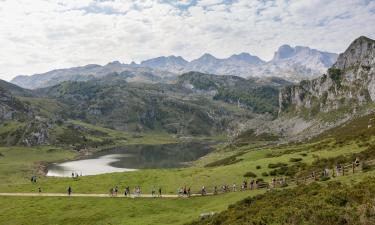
90,211
17,164
170,179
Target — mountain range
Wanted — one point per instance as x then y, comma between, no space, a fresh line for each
291,63
194,103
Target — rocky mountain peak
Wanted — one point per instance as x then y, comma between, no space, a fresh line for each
350,82
284,51
206,57
246,57
164,61
114,63
361,52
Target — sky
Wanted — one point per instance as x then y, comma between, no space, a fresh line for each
41,35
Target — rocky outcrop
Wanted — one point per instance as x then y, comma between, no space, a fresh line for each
350,82
10,107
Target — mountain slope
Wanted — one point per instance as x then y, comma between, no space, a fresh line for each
198,104
90,72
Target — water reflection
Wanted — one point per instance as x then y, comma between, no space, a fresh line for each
131,158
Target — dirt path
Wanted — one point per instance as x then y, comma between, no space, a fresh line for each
91,195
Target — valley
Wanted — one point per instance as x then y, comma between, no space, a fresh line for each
205,132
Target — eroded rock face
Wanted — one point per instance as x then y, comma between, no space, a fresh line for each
350,82
36,133
10,107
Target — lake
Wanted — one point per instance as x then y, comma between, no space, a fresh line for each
132,158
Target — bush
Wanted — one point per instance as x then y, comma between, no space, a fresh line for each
337,199
366,167
295,159
265,174
250,174
258,167
276,165
303,154
335,75
324,178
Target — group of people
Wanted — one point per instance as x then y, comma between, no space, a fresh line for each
75,175
246,185
136,193
33,179
184,192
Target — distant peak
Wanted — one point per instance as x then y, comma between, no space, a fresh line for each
246,57
284,51
207,55
89,66
114,63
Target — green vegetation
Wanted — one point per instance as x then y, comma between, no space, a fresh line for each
264,162
260,100
295,159
250,174
98,211
335,75
326,204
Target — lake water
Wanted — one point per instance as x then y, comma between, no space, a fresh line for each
131,158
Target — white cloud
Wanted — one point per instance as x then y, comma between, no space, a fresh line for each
41,35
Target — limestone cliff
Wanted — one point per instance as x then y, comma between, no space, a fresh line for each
350,82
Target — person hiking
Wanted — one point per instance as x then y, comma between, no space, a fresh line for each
252,185
234,187
215,190
69,190
188,192
356,162
40,190
116,190
159,192
153,192
203,190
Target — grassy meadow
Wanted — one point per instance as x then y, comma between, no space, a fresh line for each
226,165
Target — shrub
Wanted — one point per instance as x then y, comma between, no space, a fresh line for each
365,167
335,75
303,154
338,199
258,167
324,178
265,174
250,174
295,159
276,165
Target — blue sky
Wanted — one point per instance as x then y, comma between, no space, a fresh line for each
41,35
